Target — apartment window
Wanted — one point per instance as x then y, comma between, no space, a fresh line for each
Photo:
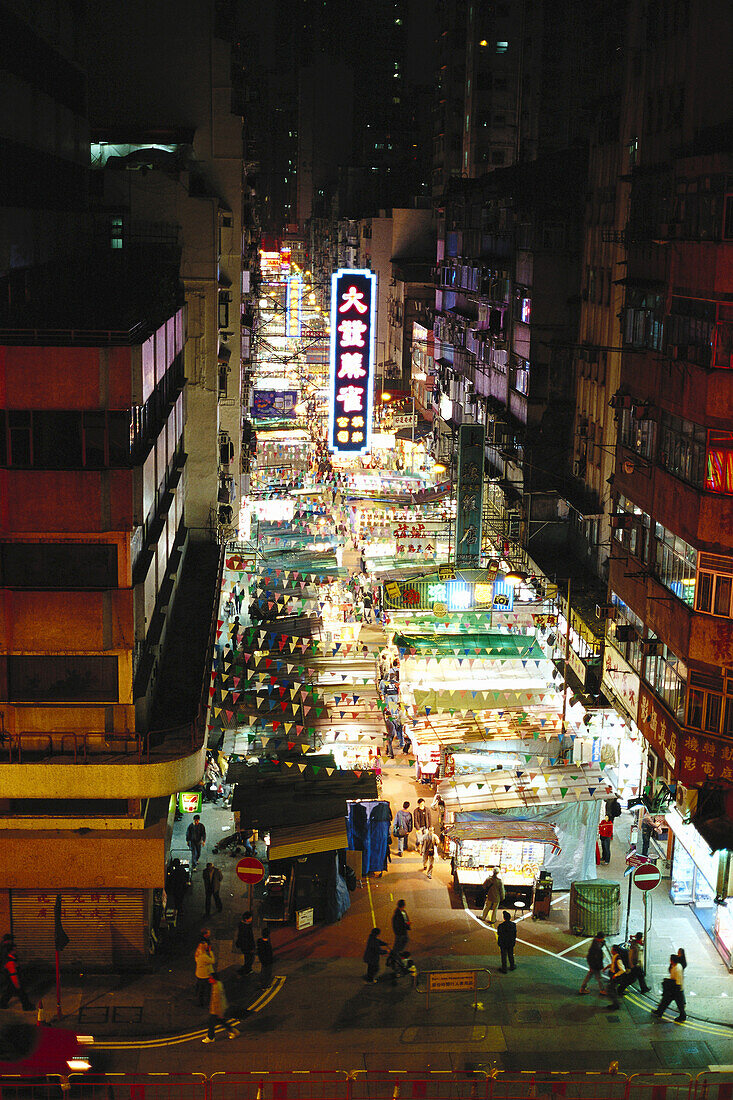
719,462
682,448
627,633
709,705
635,536
116,225
223,381
642,320
64,440
638,435
58,565
714,586
675,564
62,679
502,47
667,674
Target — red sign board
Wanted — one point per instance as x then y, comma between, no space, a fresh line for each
660,729
702,758
250,869
647,877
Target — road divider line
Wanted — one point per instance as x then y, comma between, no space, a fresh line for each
371,903
573,947
189,1036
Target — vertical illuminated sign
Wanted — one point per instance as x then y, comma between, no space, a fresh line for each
353,305
469,500
293,305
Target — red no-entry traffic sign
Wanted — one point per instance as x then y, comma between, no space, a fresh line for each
250,870
647,876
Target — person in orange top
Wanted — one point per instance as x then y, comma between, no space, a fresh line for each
605,832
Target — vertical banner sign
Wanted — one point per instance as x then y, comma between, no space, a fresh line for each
469,501
353,304
293,306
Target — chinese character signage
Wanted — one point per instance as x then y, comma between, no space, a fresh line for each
353,303
622,680
293,304
470,494
659,728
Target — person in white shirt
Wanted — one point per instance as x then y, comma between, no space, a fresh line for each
673,989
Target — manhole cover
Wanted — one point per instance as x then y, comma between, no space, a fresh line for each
528,1016
93,1014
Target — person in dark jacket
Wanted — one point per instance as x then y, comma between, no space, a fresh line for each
594,958
195,838
245,941
635,967
373,951
212,885
12,986
176,882
401,929
266,957
506,935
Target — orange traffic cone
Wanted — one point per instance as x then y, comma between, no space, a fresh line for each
40,1015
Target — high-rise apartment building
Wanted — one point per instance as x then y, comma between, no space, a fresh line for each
671,570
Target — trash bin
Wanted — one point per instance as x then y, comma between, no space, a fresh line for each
542,896
595,906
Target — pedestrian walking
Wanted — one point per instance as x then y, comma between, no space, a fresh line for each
422,819
373,952
427,849
245,942
402,828
635,968
594,958
616,974
266,957
205,965
506,935
218,1011
390,735
493,895
212,877
673,989
235,631
11,984
401,928
176,883
195,838
605,832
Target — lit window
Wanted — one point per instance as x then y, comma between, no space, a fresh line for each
502,47
115,232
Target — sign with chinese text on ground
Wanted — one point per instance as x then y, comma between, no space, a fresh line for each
658,727
293,305
303,919
444,980
353,303
470,494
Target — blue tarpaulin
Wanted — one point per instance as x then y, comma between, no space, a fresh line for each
367,830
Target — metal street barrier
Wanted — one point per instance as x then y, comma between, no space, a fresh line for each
548,1085
138,1086
288,1085
429,1085
661,1086
714,1085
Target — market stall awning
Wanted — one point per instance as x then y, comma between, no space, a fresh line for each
304,840
536,785
504,830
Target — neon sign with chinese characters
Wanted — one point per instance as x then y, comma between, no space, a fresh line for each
293,306
353,302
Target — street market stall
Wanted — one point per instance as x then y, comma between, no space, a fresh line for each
515,848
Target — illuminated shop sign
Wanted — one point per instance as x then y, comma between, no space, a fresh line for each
470,494
353,303
293,306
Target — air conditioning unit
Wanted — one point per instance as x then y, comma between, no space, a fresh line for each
625,633
606,611
651,647
621,522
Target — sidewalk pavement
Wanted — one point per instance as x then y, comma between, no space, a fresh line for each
162,1001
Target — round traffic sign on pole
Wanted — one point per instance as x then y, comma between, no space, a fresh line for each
647,876
250,870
